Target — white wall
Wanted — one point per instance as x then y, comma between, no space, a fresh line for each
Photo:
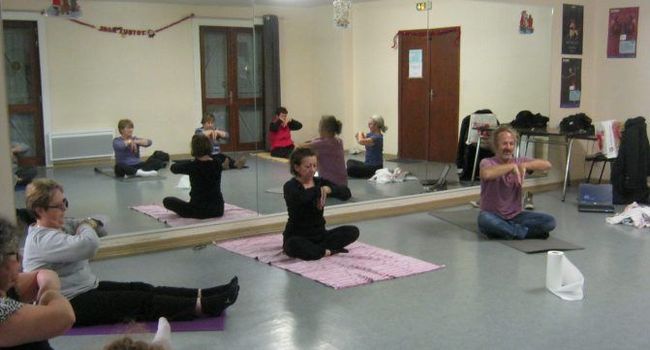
500,69
97,78
349,73
621,85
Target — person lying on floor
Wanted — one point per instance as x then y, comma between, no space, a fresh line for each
206,200
216,136
502,177
305,236
127,153
95,302
32,309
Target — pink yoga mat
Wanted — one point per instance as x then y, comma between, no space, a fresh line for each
362,265
197,325
158,212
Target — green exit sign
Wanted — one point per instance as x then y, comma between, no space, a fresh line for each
423,6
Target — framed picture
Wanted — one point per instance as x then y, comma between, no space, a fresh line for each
572,29
622,32
571,89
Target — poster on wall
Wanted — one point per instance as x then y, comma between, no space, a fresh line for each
572,21
415,64
526,23
571,83
622,34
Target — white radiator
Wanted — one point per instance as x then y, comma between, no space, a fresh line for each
79,145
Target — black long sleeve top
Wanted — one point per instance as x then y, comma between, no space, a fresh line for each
205,179
305,218
293,125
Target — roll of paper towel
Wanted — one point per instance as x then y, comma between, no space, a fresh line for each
562,277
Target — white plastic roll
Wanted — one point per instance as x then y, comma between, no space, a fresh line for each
563,278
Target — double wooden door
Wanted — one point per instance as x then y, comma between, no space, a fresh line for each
231,76
429,80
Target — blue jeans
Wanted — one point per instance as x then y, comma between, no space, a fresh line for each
525,225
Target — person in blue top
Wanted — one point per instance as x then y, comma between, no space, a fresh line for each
374,144
127,153
216,136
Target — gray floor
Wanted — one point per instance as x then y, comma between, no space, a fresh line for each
92,193
489,296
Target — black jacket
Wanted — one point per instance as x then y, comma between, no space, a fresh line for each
630,169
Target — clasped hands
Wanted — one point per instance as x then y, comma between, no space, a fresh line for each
132,144
285,120
324,191
520,172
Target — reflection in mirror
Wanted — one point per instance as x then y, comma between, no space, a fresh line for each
369,68
165,84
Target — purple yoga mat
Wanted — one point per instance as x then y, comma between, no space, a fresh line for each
197,325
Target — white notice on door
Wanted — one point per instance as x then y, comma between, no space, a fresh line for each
415,63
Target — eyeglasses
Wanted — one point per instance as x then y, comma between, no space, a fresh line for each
63,206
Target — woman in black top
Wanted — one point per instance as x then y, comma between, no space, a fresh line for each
305,236
206,200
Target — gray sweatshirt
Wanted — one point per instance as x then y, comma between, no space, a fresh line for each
66,254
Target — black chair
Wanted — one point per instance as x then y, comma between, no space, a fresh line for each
598,158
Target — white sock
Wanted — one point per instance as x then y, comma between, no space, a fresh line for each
163,335
143,173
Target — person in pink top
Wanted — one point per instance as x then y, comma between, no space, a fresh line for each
329,151
502,177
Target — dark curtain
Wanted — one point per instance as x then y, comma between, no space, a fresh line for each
271,52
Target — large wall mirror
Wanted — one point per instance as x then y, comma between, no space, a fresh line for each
217,62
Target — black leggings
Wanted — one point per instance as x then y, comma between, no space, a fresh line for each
360,169
189,210
113,302
282,152
150,164
313,247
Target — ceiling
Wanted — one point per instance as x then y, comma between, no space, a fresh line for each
305,3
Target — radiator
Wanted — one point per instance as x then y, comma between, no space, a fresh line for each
80,145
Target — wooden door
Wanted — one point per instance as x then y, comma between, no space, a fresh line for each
232,86
428,102
23,86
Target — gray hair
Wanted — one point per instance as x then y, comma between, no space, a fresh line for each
498,131
379,120
8,239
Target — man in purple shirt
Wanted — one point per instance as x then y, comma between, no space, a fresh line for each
502,177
